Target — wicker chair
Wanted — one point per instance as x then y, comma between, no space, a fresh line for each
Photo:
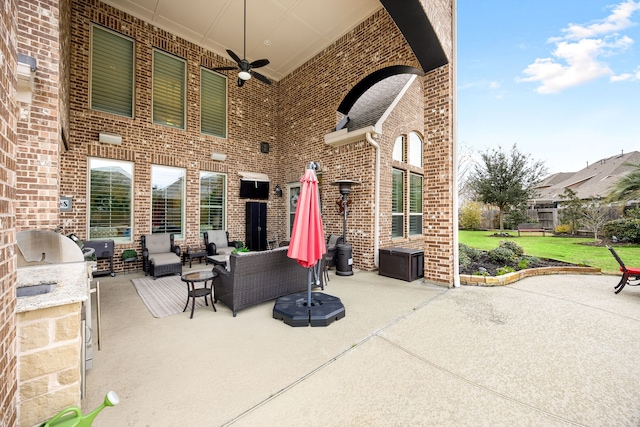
256,277
217,242
159,255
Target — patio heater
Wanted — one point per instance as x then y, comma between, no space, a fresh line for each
344,257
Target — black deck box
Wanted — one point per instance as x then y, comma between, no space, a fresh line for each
401,263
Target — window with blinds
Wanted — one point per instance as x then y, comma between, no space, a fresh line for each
167,200
213,103
397,204
415,204
415,149
168,90
110,200
213,199
112,72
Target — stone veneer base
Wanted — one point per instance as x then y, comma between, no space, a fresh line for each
507,279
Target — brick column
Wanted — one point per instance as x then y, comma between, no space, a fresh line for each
438,179
8,374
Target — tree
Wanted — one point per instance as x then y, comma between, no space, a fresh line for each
628,187
595,215
571,209
506,180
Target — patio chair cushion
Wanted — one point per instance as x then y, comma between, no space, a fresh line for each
158,243
166,258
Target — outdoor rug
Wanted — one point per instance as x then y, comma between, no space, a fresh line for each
164,296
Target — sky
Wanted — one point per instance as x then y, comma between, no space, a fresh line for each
560,79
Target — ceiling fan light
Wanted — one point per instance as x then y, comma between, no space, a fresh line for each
244,75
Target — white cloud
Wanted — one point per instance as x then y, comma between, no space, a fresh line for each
578,57
619,19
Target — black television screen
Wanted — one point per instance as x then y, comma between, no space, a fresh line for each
254,189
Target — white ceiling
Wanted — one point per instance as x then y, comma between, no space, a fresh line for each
296,30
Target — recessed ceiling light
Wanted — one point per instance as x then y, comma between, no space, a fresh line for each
267,42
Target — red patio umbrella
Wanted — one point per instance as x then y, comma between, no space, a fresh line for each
307,236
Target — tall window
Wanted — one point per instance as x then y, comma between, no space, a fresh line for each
213,103
397,204
415,204
112,72
415,150
398,149
168,90
167,198
110,199
213,190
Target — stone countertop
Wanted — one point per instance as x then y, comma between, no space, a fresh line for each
71,279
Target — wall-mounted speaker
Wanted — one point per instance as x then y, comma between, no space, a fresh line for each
264,147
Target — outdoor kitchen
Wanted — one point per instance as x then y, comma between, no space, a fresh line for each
53,294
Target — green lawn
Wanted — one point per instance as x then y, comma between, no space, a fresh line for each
560,248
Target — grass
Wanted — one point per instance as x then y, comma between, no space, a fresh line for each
559,248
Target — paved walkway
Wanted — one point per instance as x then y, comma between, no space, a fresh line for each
547,351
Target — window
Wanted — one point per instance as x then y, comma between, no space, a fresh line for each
213,198
397,204
415,150
213,103
112,72
168,90
398,149
167,199
415,204
110,200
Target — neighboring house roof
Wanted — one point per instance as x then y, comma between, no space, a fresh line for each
594,181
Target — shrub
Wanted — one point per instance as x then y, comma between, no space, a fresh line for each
523,264
504,270
501,254
531,260
512,246
472,253
626,229
470,216
463,259
563,229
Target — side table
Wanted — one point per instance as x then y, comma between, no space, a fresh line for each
192,292
192,253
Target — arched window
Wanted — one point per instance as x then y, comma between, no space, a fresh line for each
398,149
415,150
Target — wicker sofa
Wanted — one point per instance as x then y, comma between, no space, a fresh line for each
256,277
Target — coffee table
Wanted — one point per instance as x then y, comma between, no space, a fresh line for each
196,277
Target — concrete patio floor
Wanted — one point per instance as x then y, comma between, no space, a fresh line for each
546,351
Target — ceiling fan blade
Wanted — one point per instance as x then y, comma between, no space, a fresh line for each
259,63
224,68
234,56
260,77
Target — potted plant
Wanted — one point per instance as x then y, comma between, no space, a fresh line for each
129,255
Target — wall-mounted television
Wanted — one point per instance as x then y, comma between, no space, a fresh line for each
254,189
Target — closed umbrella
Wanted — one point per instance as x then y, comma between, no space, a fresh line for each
307,236
307,245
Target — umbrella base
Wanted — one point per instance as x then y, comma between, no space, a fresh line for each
293,310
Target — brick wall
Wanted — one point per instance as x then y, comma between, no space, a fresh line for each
38,126
8,53
252,117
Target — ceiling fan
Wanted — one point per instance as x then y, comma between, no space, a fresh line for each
245,68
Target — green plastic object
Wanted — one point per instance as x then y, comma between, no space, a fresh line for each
72,416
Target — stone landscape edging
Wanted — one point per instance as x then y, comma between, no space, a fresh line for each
506,279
